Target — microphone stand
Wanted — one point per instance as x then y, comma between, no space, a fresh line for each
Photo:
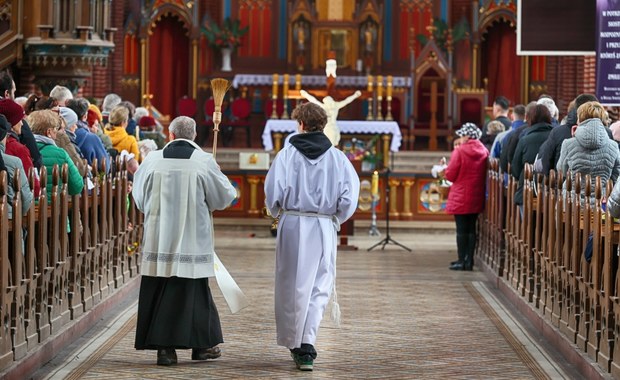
388,239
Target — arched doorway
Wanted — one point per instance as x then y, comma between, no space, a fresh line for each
500,63
168,63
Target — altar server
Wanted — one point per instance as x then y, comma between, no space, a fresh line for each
314,188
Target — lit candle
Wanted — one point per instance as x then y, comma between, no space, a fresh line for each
370,83
297,82
285,86
379,86
374,187
389,86
274,90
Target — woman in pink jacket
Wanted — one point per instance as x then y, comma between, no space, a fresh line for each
467,172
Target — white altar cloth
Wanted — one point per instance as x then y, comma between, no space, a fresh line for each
314,80
346,127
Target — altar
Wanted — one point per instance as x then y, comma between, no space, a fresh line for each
389,130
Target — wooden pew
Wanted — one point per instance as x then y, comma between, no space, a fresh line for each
6,299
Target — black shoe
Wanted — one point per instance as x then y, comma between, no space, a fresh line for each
166,356
206,353
457,265
461,266
454,262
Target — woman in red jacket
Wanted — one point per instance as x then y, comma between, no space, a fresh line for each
467,172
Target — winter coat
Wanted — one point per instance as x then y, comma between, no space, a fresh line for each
549,153
13,163
53,155
123,141
17,149
64,142
92,148
591,152
509,145
467,171
525,153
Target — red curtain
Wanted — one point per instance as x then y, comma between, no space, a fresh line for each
500,63
168,65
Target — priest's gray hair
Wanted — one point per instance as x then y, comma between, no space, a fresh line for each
183,127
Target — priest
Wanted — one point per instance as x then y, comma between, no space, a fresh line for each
177,188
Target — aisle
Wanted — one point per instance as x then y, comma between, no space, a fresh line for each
405,316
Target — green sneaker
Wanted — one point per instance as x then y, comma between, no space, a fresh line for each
303,362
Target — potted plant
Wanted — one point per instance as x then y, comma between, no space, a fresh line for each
225,38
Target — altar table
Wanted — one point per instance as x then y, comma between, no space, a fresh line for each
384,128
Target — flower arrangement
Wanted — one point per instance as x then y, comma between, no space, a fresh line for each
365,151
228,35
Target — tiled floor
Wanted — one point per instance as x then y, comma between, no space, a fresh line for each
404,316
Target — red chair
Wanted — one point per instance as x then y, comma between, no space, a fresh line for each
268,109
240,109
186,106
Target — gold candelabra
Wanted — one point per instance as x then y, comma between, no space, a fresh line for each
379,97
370,99
285,96
274,97
388,115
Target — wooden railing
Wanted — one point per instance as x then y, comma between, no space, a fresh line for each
63,257
539,252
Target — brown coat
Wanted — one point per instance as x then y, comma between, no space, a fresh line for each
63,141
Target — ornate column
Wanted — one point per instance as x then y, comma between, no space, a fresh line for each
386,150
277,142
407,184
393,183
253,181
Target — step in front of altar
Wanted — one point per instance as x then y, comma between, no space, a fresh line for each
410,162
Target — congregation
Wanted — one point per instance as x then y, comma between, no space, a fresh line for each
59,129
584,143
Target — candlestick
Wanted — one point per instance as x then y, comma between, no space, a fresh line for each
374,187
297,82
388,115
370,83
274,88
285,96
274,97
379,97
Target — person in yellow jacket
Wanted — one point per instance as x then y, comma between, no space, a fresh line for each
117,121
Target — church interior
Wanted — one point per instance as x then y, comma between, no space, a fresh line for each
416,71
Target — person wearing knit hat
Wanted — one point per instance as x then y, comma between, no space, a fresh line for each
147,123
90,145
467,172
95,124
12,164
470,130
70,117
67,139
14,114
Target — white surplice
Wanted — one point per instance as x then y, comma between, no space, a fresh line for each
325,190
177,197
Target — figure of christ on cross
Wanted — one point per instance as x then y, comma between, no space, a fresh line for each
331,107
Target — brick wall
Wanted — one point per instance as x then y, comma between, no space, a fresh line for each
568,77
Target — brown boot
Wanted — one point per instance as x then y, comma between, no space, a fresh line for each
206,353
